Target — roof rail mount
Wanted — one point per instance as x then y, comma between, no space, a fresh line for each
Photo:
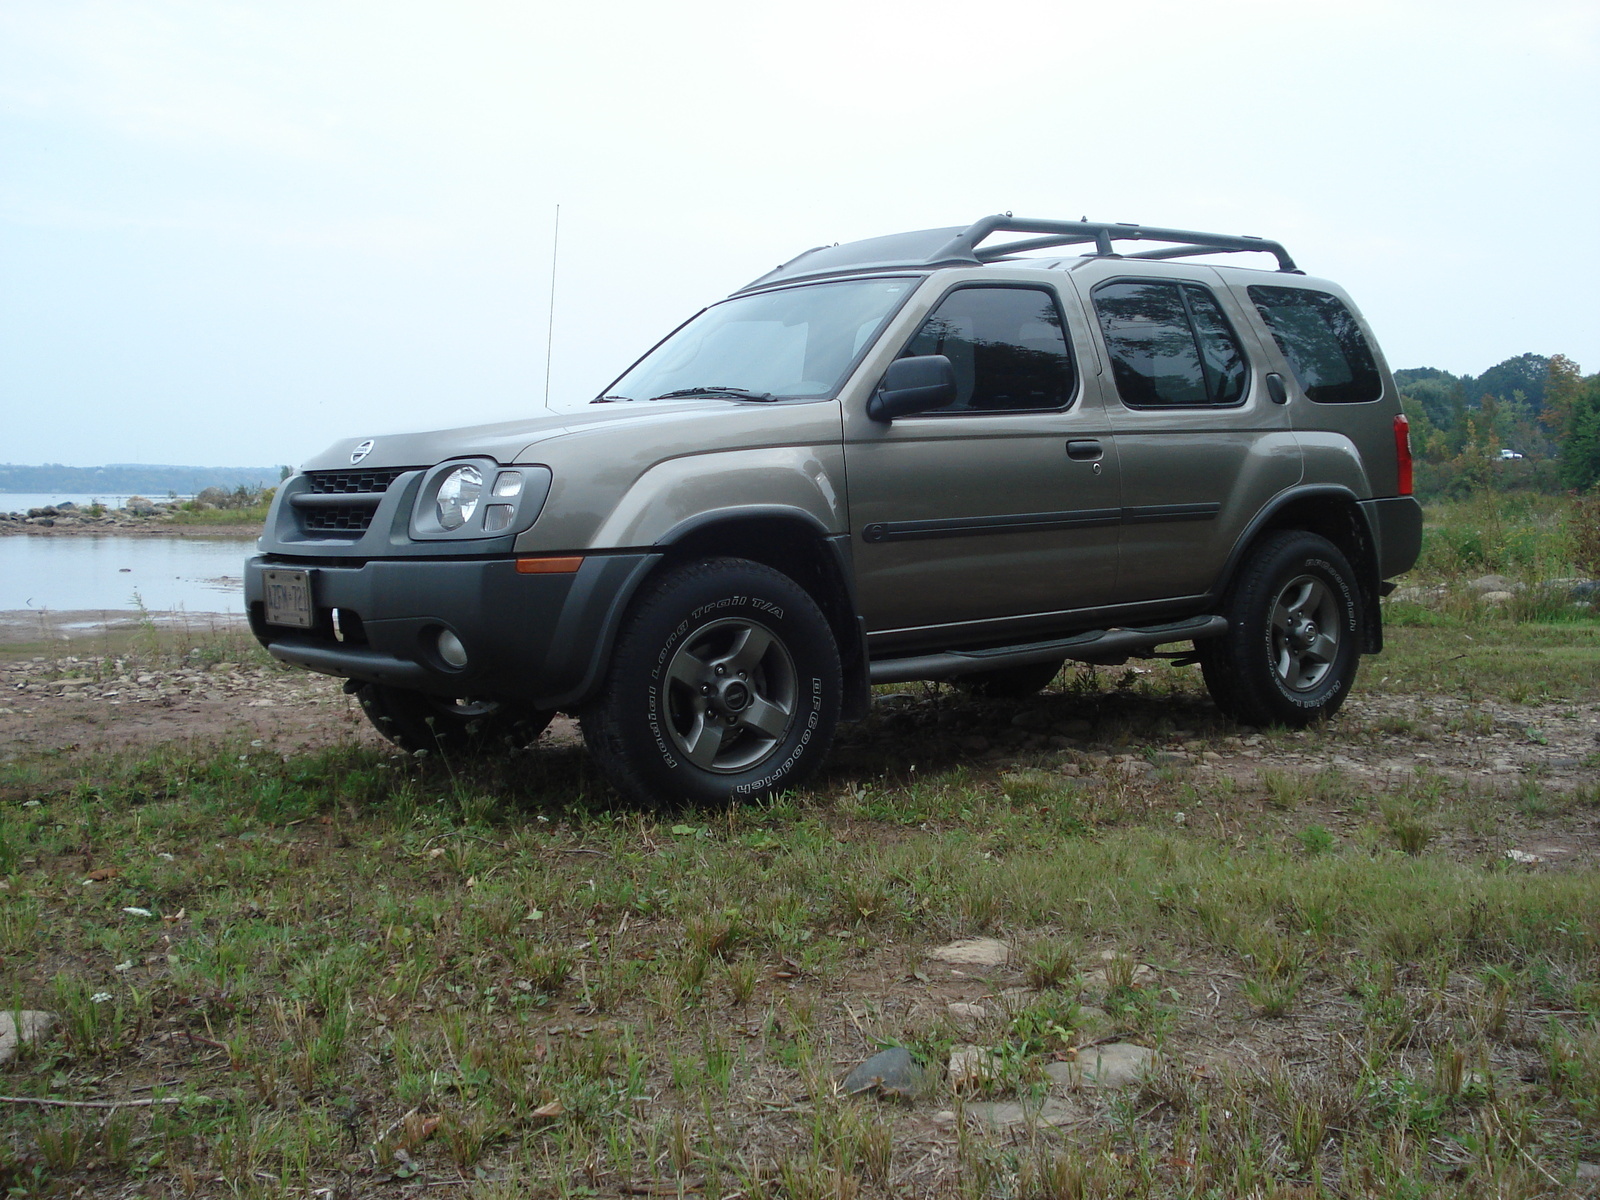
957,247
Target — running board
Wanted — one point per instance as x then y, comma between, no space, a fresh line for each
1107,646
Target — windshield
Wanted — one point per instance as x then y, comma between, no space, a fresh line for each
789,344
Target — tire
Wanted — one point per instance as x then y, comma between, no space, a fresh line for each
1010,683
1294,634
415,721
725,684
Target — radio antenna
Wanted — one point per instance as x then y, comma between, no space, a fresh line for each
550,330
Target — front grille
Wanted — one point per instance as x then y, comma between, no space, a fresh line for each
344,519
329,483
364,488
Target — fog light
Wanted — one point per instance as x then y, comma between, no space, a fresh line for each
451,649
508,485
497,517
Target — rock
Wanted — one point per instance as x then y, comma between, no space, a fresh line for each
971,1065
973,952
1588,1171
1009,1114
1586,591
967,1012
1133,769
1099,980
28,1025
892,1072
1489,583
1170,758
1116,1065
1495,597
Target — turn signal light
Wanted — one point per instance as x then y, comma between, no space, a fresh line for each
549,565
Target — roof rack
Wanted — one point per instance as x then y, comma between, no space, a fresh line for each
957,247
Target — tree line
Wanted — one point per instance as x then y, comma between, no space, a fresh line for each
1528,423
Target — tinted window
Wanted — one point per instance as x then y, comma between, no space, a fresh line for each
1171,346
1320,338
1007,345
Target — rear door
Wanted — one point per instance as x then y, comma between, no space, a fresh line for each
1202,445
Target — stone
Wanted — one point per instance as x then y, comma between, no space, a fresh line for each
971,1065
891,1072
962,1011
1108,1067
973,952
1588,1171
1007,1114
1489,583
1495,597
26,1025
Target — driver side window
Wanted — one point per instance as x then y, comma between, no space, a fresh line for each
1008,346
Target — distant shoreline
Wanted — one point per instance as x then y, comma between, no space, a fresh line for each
152,527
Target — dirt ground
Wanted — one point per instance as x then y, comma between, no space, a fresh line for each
62,701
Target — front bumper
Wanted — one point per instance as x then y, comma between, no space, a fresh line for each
539,639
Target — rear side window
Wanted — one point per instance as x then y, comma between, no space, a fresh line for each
1008,347
1171,346
1320,338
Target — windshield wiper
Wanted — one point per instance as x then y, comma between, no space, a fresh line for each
731,393
609,399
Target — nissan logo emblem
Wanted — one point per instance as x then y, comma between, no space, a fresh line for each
360,452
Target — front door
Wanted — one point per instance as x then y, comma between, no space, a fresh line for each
998,514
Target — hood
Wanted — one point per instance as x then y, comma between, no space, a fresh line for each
506,441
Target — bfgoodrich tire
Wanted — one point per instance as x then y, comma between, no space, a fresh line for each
1294,634
725,684
450,726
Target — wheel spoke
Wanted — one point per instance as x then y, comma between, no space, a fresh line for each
1323,648
703,741
688,670
749,648
1304,596
765,718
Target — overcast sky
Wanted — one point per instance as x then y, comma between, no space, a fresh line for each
232,232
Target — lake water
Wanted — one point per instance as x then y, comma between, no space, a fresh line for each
198,575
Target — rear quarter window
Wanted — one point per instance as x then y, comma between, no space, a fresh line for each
1322,343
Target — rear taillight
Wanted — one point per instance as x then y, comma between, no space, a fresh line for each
1402,452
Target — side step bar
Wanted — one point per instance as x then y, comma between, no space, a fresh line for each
1109,646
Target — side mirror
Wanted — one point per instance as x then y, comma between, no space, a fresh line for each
913,385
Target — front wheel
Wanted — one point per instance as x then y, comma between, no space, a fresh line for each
449,725
1294,634
725,683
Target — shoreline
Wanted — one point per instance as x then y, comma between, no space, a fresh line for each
42,626
103,527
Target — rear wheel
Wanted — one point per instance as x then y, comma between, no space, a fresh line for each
441,725
1294,634
725,683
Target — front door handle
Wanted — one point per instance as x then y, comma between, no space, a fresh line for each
1085,449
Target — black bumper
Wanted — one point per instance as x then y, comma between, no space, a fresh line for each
1396,522
541,639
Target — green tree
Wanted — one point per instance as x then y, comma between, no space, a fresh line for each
1580,447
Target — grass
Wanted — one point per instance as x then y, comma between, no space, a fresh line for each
359,970
348,972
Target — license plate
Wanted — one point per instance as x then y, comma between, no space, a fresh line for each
288,598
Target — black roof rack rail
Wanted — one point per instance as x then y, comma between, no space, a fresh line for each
956,247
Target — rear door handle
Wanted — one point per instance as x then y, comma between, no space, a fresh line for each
1085,449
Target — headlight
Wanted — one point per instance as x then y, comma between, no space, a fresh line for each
477,498
458,496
